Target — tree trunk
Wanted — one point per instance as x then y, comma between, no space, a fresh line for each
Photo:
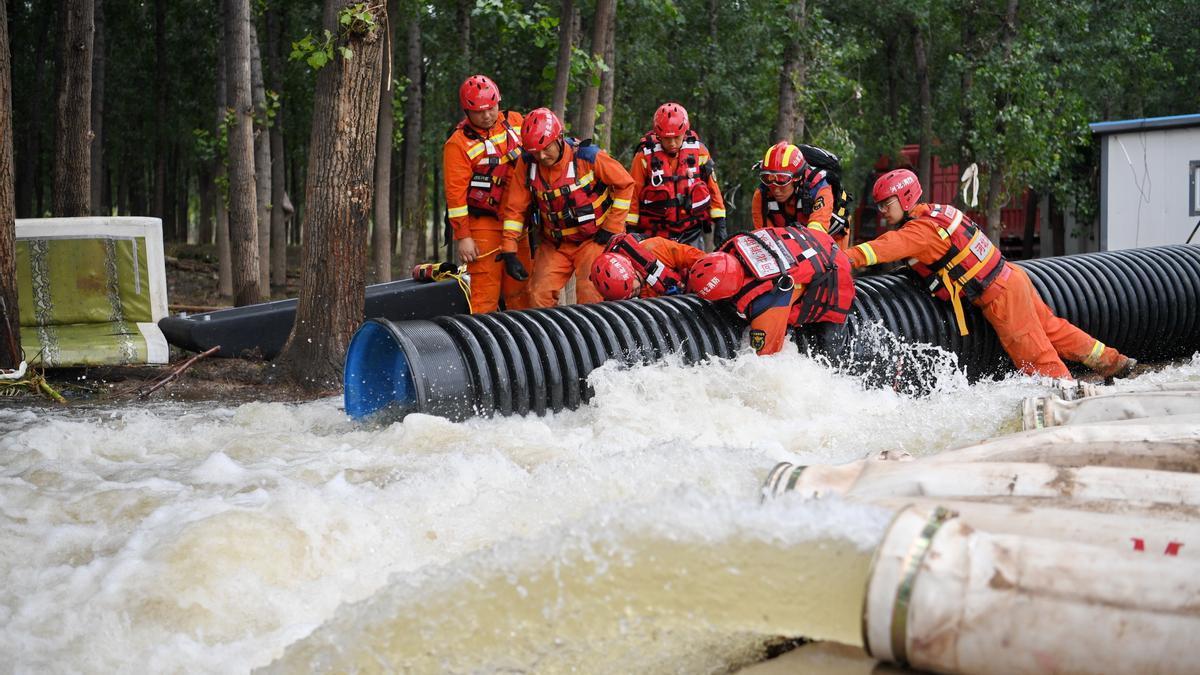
1031,209
10,330
338,198
891,49
789,122
1008,33
278,176
967,83
1057,227
607,81
161,88
562,75
924,112
575,98
73,157
707,70
262,164
381,233
28,123
462,25
591,92
438,221
422,233
243,207
413,220
993,203
97,172
224,256
204,222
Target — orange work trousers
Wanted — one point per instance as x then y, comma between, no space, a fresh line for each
1036,339
489,282
553,267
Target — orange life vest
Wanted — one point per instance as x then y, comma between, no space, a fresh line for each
572,208
663,279
676,200
972,262
491,163
781,257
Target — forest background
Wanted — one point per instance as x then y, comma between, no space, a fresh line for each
135,107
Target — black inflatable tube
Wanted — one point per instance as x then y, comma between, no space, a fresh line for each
1145,302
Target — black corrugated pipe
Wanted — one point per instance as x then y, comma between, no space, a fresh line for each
1145,302
521,361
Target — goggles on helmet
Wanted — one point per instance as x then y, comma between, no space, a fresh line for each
776,178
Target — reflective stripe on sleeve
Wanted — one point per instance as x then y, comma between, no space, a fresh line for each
868,253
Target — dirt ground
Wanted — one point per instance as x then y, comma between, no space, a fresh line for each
192,286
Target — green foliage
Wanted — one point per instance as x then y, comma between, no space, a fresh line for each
356,19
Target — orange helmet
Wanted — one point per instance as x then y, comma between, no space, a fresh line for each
670,120
478,92
716,276
782,164
541,128
902,184
613,276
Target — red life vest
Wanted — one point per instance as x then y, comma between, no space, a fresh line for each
674,201
780,257
972,262
491,161
572,208
807,189
663,279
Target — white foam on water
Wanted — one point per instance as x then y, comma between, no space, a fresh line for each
210,539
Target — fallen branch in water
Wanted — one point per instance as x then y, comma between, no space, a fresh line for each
174,374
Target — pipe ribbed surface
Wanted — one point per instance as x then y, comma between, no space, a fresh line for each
1145,302
521,361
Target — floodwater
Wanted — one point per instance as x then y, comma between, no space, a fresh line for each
627,536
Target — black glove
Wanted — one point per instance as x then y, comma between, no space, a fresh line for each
719,233
513,266
602,237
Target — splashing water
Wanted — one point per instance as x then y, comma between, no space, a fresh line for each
622,537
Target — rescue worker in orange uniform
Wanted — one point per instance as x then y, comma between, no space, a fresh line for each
675,191
581,196
633,266
956,260
777,278
791,194
479,158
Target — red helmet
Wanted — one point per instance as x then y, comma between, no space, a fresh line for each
670,120
782,161
613,276
478,93
541,128
716,276
902,184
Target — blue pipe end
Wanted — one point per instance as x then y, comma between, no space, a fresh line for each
377,374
